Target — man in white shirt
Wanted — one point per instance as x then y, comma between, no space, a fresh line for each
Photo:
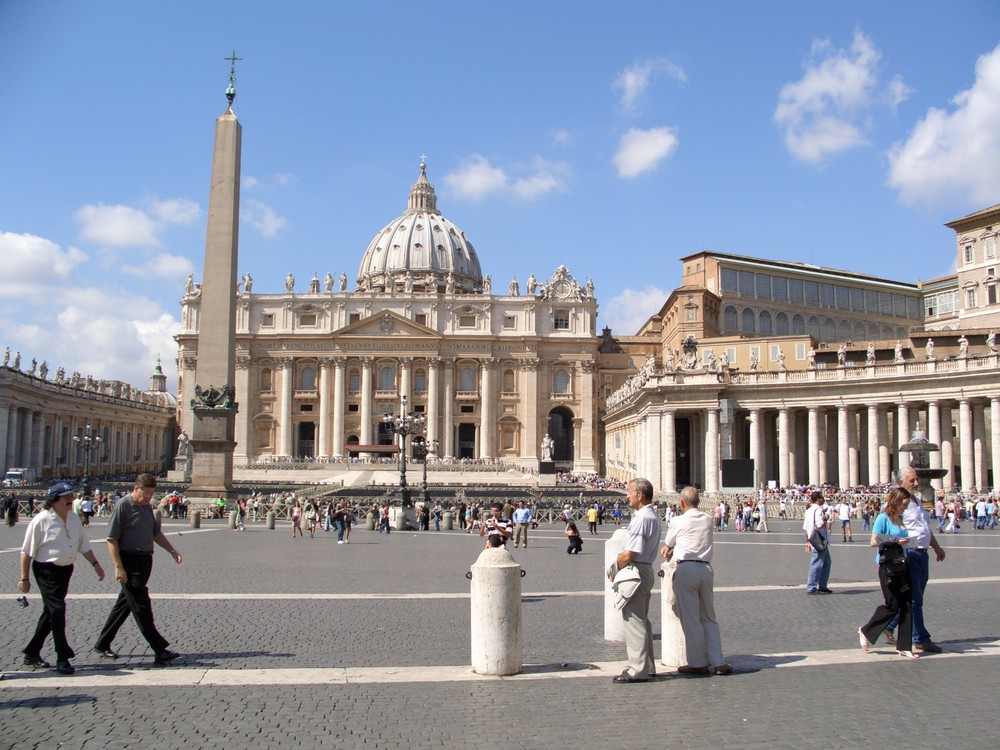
817,536
844,512
689,543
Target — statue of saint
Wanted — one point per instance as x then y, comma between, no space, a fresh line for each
991,342
898,354
668,360
314,285
449,284
754,361
532,284
33,367
183,445
17,361
289,282
247,283
514,289
963,347
343,282
487,284
870,354
841,355
408,282
812,356
590,289
189,284
547,444
781,361
930,349
328,282
43,371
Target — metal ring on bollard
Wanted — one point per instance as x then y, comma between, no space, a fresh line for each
660,574
469,575
523,572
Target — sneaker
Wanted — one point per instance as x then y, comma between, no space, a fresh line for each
36,662
928,647
64,667
165,657
865,645
908,654
890,637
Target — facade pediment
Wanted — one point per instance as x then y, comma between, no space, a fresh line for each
387,324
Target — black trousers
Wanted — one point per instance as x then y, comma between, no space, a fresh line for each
134,598
53,585
898,595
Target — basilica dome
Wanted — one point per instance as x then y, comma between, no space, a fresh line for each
420,250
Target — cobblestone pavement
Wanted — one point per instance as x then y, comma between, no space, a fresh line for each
308,643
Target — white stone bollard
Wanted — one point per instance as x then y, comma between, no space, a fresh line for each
673,651
614,625
232,519
497,647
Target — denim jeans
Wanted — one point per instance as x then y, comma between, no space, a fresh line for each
918,566
819,570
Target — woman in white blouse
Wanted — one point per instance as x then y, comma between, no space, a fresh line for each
51,543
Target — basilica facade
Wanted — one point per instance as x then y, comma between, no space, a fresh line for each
489,372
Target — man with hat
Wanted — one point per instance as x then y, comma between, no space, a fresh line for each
51,543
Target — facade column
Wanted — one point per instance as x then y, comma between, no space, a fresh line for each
285,414
783,447
529,450
873,444
756,442
654,461
324,408
793,453
670,450
366,401
823,437
995,438
884,457
5,438
947,445
433,401
979,444
712,450
339,407
902,436
488,420
244,447
448,428
405,380
853,454
813,445
968,464
934,436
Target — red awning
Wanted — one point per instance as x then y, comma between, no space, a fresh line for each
355,448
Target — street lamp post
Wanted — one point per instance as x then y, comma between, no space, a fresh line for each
91,444
406,423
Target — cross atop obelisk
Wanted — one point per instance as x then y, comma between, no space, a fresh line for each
231,90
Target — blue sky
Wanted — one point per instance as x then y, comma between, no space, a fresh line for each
612,137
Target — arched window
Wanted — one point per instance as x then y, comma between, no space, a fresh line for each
814,326
749,321
886,331
845,330
467,380
798,325
509,383
265,380
764,323
829,330
900,333
873,331
562,381
387,378
307,379
859,331
420,381
354,381
781,324
730,319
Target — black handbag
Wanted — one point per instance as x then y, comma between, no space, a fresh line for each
819,542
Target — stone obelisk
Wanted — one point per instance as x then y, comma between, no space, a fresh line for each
214,407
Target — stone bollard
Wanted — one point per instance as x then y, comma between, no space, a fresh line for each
370,521
270,519
196,519
449,520
400,521
614,625
673,651
232,519
497,647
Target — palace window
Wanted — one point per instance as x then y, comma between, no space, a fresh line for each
970,298
466,321
265,380
728,279
387,379
764,323
990,247
562,381
780,288
307,320
781,324
812,293
749,321
560,320
843,297
267,320
814,326
509,322
763,286
967,254
826,295
354,381
307,379
795,290
746,283
420,381
467,380
509,383
798,325
730,319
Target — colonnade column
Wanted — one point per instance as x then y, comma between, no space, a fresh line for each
670,450
843,449
824,444
285,414
432,400
853,454
995,438
653,464
947,445
934,436
979,445
813,446
756,429
449,408
712,451
486,408
793,454
884,458
5,439
324,408
24,454
902,435
967,460
783,447
366,401
873,444
339,407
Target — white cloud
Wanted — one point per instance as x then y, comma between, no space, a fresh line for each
626,312
641,150
161,267
821,112
31,264
125,226
250,182
635,79
954,156
262,218
476,178
562,137
285,179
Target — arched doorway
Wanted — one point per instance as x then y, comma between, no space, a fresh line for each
561,432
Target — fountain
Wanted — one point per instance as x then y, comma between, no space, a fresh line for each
920,461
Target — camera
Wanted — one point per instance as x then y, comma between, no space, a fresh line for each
22,601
